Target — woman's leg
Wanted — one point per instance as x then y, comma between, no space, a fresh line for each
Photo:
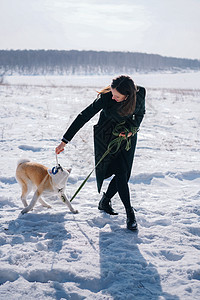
120,184
105,202
123,189
112,188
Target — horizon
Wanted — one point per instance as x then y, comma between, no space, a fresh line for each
110,51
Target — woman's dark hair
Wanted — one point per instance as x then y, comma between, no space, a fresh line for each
125,86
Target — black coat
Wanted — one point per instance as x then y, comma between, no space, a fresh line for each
103,133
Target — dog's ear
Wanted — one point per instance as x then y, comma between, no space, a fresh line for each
69,170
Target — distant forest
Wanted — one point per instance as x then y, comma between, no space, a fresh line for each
56,62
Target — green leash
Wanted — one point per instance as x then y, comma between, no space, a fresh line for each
113,147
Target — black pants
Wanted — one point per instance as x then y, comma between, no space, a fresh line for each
119,183
120,167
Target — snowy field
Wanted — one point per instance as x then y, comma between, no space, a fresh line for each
53,254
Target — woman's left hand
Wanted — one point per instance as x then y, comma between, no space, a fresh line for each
123,134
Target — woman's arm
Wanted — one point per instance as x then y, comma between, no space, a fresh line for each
137,118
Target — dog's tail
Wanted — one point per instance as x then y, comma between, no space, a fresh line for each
22,161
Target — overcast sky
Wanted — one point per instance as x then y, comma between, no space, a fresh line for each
166,27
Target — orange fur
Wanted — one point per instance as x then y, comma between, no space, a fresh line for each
31,174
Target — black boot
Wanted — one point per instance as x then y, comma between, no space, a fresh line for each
131,220
105,205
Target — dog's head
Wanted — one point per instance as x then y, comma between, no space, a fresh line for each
59,176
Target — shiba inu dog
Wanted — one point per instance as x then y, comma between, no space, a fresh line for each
32,175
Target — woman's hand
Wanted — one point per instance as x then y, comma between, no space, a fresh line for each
123,134
60,148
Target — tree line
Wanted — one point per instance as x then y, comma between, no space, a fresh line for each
61,62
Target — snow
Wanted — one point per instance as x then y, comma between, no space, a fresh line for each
186,80
54,254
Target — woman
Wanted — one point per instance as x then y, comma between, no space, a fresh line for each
122,108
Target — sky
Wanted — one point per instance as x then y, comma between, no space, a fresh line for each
168,28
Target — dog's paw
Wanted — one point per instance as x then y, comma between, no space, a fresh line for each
75,211
24,211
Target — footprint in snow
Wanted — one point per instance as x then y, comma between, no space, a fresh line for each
169,255
30,148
